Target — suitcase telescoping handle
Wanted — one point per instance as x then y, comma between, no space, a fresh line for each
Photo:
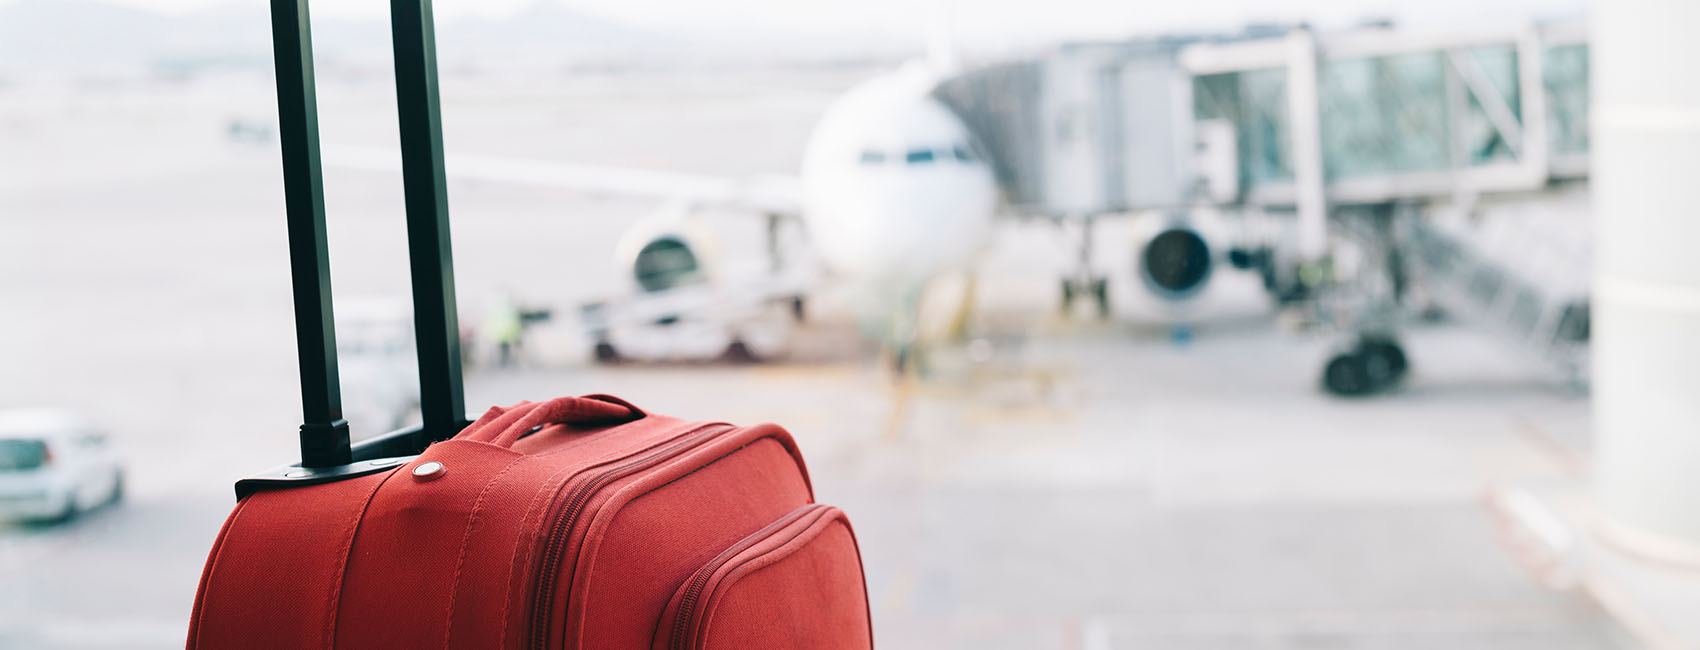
326,453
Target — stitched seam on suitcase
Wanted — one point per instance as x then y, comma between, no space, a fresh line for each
861,569
792,452
335,600
531,550
733,576
731,553
471,523
545,499
673,434
719,431
578,559
212,569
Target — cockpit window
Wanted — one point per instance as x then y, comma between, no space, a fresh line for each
919,156
962,153
871,157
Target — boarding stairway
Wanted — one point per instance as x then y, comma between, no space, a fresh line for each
1520,271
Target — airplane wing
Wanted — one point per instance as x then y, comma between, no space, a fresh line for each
767,194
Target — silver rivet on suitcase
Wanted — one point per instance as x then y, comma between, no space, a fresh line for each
429,471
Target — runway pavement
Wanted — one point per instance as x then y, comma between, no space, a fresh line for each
1086,487
1140,495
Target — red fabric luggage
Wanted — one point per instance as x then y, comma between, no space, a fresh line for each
572,523
579,522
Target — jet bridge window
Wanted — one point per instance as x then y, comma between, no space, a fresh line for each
919,156
1384,114
1484,139
872,157
1255,101
1564,72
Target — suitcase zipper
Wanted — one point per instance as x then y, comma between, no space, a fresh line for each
576,501
687,602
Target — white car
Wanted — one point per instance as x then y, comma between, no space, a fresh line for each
54,465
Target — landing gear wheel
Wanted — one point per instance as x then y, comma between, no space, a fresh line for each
117,494
799,310
902,360
1101,295
1371,366
605,353
1388,354
1384,360
1098,289
1347,375
740,353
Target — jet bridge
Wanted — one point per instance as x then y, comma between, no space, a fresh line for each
1467,141
1104,127
1408,117
1521,271
1311,131
1091,128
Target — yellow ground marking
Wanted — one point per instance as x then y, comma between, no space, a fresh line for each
899,595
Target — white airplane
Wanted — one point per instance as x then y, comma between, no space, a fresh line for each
892,194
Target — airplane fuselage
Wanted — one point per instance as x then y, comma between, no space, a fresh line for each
893,191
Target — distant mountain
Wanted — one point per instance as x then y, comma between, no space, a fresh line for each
548,27
81,33
95,35
96,39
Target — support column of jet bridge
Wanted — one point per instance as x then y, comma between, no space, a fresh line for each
1305,122
1646,365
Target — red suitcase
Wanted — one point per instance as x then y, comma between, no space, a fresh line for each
576,523
579,522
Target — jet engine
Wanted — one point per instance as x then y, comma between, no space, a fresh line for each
1175,263
1170,268
681,301
668,251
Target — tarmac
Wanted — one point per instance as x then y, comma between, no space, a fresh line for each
1102,492
1064,485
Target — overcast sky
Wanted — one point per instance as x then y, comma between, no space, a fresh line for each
983,22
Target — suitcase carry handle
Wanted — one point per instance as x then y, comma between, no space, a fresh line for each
519,421
326,452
